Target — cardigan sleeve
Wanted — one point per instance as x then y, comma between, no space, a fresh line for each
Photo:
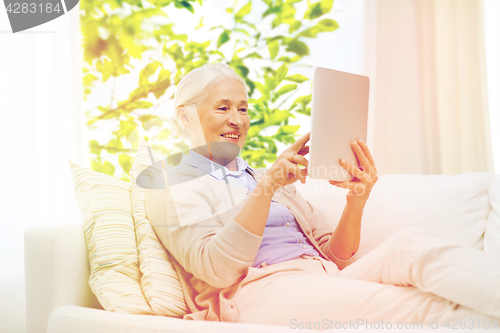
322,230
185,223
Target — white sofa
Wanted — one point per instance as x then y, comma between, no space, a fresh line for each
464,207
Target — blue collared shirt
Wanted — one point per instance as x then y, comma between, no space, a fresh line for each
282,239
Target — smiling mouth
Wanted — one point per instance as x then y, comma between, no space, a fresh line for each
230,136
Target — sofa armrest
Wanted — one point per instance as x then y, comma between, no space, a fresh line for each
56,272
76,319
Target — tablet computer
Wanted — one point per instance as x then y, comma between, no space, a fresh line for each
339,116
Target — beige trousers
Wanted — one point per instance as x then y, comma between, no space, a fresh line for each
413,280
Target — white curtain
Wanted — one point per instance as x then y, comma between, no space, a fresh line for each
40,129
492,37
429,105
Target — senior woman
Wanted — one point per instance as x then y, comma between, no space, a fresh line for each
247,247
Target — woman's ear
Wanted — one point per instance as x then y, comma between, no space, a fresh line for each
183,116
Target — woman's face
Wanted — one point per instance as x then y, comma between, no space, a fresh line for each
224,121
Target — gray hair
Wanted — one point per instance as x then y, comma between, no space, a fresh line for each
193,89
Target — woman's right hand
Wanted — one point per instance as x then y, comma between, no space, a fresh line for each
285,170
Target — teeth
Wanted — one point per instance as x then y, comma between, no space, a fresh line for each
234,136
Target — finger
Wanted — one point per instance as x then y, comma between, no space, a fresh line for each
341,185
297,145
355,171
356,154
366,151
296,158
360,156
304,150
296,171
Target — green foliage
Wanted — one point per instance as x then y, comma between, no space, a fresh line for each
133,37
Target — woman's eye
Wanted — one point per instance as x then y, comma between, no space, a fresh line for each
223,108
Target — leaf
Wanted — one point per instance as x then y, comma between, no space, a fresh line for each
322,26
140,92
147,71
184,4
95,147
287,129
318,8
242,71
302,101
263,90
299,78
286,88
306,111
223,38
298,47
253,55
294,26
108,69
88,79
270,83
277,117
114,146
273,48
242,31
243,11
137,105
149,121
200,24
164,134
126,127
271,10
162,83
125,162
281,73
105,167
166,30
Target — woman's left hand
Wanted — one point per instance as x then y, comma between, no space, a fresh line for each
365,175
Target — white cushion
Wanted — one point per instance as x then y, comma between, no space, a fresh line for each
492,234
455,207
159,280
110,236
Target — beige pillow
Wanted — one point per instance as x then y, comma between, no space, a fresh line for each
109,233
159,280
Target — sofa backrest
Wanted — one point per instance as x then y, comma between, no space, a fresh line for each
454,206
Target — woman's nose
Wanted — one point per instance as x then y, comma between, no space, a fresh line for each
235,119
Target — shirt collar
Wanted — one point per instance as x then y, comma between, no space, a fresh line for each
215,169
